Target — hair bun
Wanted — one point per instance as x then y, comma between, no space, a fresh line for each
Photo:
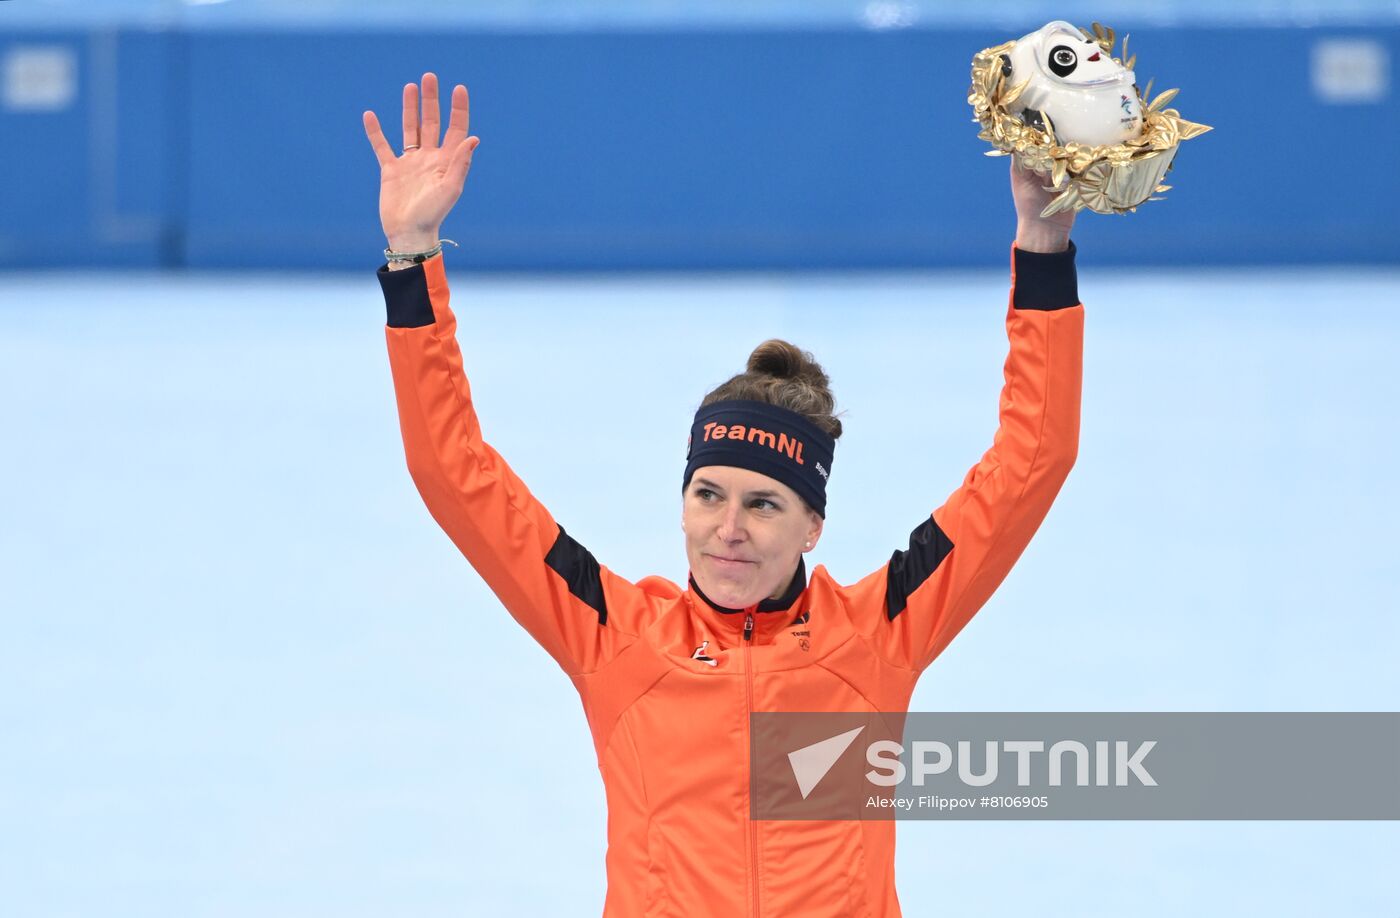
784,360
782,374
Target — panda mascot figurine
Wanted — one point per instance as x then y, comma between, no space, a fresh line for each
1059,101
1075,87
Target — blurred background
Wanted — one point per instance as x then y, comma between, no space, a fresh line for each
242,671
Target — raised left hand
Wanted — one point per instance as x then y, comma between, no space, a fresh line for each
1035,233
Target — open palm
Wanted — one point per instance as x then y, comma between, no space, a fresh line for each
419,188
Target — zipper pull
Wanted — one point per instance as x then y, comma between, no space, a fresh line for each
748,626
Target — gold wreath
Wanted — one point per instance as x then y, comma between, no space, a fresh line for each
1108,178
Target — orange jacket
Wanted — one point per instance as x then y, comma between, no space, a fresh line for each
680,840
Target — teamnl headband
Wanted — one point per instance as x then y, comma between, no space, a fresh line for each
763,438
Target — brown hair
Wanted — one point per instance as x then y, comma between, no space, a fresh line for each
783,374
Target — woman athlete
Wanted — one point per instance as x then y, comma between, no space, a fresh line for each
668,675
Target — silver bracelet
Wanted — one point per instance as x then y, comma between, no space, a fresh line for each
417,257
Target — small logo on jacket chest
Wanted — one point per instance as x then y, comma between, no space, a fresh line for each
802,636
702,656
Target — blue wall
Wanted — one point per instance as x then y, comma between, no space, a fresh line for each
824,148
100,181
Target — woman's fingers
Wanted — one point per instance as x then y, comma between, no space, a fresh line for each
462,161
432,116
410,115
382,151
460,122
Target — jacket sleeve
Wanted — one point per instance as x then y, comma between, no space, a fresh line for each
916,604
579,611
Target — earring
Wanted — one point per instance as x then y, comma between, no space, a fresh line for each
809,544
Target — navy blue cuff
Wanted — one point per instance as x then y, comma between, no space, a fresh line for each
406,297
1045,280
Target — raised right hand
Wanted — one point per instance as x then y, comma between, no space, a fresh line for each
419,188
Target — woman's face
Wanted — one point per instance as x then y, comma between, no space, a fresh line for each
744,533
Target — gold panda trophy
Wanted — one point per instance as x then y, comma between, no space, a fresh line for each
1104,178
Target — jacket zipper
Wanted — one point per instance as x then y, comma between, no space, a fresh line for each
748,694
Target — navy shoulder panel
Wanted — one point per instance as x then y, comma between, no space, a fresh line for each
580,571
908,569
